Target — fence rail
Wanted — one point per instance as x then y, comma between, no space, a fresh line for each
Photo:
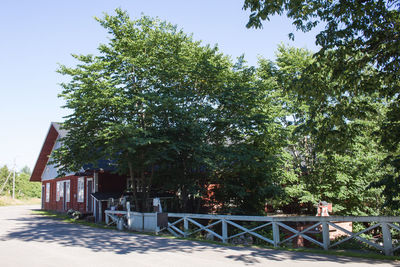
218,226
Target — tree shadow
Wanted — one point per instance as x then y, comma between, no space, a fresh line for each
39,228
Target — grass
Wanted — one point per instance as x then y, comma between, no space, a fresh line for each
65,218
8,201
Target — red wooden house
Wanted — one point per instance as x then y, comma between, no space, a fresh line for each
85,190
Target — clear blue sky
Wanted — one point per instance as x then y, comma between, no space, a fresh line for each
37,35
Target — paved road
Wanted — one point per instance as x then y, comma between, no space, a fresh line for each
32,240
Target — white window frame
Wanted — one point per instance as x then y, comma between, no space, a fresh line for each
80,190
67,191
47,192
61,189
96,182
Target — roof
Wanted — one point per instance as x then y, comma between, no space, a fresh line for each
54,132
58,126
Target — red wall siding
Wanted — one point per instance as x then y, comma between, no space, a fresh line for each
55,205
108,183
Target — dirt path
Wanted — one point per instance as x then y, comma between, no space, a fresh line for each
32,240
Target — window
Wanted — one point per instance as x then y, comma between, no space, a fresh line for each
80,189
57,191
67,191
61,189
47,192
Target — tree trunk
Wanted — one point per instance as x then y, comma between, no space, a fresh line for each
184,194
131,173
149,181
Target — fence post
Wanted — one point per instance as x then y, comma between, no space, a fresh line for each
387,239
107,219
275,234
325,235
185,226
128,215
224,231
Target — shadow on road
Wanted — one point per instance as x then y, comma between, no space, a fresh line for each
41,229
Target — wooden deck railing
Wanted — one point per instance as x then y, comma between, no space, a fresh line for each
185,225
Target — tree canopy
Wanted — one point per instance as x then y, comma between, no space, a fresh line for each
360,60
162,107
181,117
23,188
369,27
332,153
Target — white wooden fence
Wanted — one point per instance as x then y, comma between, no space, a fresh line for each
186,225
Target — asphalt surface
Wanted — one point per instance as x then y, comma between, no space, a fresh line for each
32,240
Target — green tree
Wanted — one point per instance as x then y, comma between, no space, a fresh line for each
23,187
143,103
332,153
159,106
170,113
351,27
390,130
248,162
4,183
358,35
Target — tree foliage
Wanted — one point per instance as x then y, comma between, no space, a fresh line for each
360,49
351,27
162,107
248,169
23,188
332,153
180,117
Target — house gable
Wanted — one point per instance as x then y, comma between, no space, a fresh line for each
45,152
51,170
